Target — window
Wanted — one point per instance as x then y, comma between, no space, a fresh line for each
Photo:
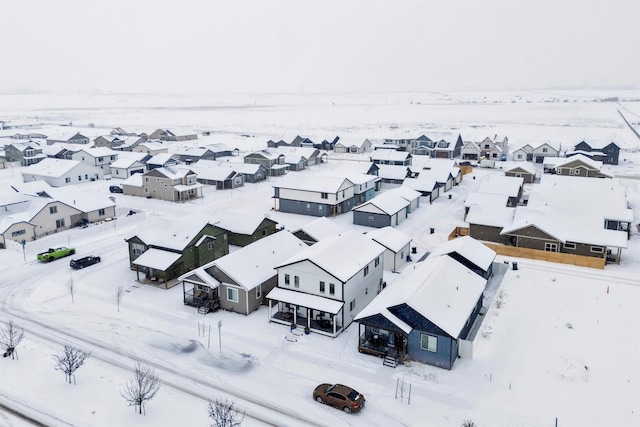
210,246
366,270
59,223
544,150
324,195
18,233
53,210
569,245
597,249
137,248
86,177
146,179
296,282
352,305
67,180
308,207
577,172
259,292
370,219
101,212
287,281
332,289
232,295
146,190
428,342
322,287
79,177
551,247
377,262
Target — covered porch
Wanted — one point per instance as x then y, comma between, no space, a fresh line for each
321,315
156,266
200,290
382,342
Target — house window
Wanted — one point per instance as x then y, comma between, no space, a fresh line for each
352,305
210,246
53,210
370,219
259,292
296,282
101,212
67,180
519,156
544,150
429,342
86,177
287,281
59,223
18,233
324,195
332,289
377,262
569,245
322,287
366,270
308,207
597,249
232,295
137,248
79,177
551,247
577,172
146,190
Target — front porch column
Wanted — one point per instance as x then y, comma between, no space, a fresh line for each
308,318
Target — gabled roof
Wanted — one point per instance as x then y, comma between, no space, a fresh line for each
500,184
390,238
320,228
469,248
315,183
424,182
406,193
254,264
580,158
51,167
389,204
161,159
527,168
240,223
492,216
390,155
342,255
170,233
396,172
157,259
485,199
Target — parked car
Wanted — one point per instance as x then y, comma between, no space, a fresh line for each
84,262
115,189
55,253
339,396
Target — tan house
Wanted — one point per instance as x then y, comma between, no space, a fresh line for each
581,166
174,185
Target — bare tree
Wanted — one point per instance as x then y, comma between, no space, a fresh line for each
72,289
119,295
142,387
225,414
70,361
10,337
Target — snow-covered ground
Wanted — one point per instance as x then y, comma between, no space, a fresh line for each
558,343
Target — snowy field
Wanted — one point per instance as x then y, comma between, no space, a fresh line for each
560,344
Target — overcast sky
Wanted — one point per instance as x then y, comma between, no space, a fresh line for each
248,46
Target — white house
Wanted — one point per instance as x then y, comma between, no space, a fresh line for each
396,243
60,172
101,157
326,285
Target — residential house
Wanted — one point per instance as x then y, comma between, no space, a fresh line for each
222,150
485,199
505,185
239,281
316,230
326,285
77,138
59,172
273,161
27,153
151,147
364,186
251,172
426,184
189,155
470,151
220,176
524,153
547,149
163,249
127,166
426,315
445,145
402,143
118,142
610,151
491,149
391,157
100,157
390,174
581,166
314,195
167,135
352,145
525,171
382,211
243,229
487,221
469,252
396,244
161,160
172,184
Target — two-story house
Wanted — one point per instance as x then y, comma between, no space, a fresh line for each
314,195
77,138
27,153
172,184
547,149
391,157
610,151
326,285
273,161
101,157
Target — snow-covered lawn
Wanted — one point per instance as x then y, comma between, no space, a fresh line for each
559,342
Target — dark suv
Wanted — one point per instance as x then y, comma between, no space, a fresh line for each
115,189
84,262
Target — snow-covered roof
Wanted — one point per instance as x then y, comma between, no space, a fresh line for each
320,228
51,167
469,248
361,178
494,216
390,237
305,300
581,158
124,163
170,233
406,193
498,200
396,172
254,264
500,184
237,222
389,155
134,180
424,182
100,151
316,183
161,159
525,167
157,259
389,204
341,255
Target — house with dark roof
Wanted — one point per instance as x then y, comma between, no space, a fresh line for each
314,195
610,151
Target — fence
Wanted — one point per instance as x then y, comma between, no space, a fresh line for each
579,260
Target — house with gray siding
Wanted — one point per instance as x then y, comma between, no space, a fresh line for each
27,153
316,230
526,171
273,161
239,281
610,151
382,211
397,246
244,229
314,195
523,154
391,157
581,166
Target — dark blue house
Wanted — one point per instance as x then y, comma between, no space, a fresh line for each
425,315
611,151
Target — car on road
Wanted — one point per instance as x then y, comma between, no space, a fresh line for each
55,253
115,189
339,396
84,262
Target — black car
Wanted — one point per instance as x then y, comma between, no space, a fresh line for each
84,262
115,189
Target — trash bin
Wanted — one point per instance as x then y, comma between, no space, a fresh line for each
515,265
449,196
432,230
414,250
